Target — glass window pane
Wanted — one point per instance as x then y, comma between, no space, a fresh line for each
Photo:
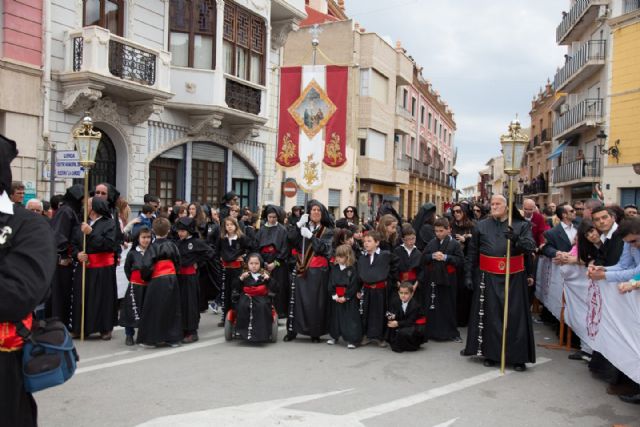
256,66
241,63
179,49
179,14
92,12
112,15
203,52
227,55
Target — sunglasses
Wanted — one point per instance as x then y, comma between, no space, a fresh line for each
349,211
457,211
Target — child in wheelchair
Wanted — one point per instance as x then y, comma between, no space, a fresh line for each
252,305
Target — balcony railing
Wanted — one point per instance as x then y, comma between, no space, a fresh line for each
537,187
546,135
403,164
630,5
593,50
130,63
578,169
573,17
585,111
243,97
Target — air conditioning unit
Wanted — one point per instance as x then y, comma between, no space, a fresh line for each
564,108
603,13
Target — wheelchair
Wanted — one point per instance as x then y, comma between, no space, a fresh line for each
231,317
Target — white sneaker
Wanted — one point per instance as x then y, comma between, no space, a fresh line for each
331,342
351,346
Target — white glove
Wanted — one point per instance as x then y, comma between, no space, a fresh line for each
306,233
304,219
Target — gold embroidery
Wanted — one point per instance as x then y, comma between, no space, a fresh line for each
288,150
333,150
310,171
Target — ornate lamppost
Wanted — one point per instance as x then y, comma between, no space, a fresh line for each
86,141
514,145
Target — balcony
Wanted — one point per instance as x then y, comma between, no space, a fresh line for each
404,164
586,113
404,121
582,65
578,20
586,170
535,188
546,136
630,6
379,171
98,63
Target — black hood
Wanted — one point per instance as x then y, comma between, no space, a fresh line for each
8,152
427,211
112,194
186,223
100,207
355,213
229,196
326,218
273,209
73,197
387,209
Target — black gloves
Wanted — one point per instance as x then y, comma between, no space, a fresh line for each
510,234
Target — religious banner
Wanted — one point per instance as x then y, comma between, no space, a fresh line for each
312,126
549,286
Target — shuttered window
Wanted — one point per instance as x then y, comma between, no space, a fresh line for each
240,170
334,198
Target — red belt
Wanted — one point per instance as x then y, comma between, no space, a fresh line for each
318,262
377,285
9,338
268,249
498,265
451,269
163,267
341,290
232,264
136,278
421,320
101,259
408,276
294,252
256,291
188,270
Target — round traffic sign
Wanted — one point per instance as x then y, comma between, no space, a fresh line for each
290,189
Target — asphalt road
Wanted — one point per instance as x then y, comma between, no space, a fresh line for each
215,383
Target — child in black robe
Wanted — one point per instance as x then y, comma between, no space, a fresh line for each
441,258
193,251
161,321
409,261
254,308
232,247
403,320
344,318
376,269
131,307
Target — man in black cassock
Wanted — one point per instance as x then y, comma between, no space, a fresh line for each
312,240
27,265
485,272
271,242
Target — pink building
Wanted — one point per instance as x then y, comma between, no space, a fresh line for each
22,31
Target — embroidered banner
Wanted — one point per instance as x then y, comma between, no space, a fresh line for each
335,140
288,133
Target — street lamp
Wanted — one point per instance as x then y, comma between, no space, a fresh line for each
454,175
611,151
514,144
86,141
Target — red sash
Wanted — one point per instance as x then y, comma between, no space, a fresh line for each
9,338
163,267
498,265
232,264
188,270
268,249
256,291
318,262
377,285
136,278
408,276
451,269
421,320
341,290
101,259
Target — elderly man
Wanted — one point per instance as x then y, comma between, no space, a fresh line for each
485,271
35,205
538,224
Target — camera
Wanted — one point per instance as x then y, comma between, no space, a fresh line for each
390,315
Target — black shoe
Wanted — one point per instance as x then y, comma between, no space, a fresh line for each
489,363
128,340
631,398
462,352
289,337
576,356
221,324
519,367
315,340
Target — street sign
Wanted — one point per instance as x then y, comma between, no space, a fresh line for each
290,189
29,192
68,165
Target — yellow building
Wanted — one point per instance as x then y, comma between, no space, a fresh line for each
621,184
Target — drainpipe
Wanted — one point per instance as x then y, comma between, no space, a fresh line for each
46,90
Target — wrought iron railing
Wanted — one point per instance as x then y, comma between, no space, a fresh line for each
589,109
403,164
593,50
630,6
546,134
578,169
536,187
78,46
571,18
130,63
242,97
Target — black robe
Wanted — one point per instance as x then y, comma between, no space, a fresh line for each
374,301
253,311
308,306
407,336
27,265
440,288
344,319
131,306
484,337
210,271
271,243
409,265
161,320
193,252
230,252
463,294
101,291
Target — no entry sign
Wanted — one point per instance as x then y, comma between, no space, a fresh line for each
290,189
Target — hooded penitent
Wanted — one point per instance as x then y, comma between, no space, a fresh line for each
186,223
73,197
426,211
387,209
273,209
326,218
100,207
8,152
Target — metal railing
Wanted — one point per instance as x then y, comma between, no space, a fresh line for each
403,164
243,97
572,18
130,63
589,109
593,50
578,169
535,188
546,134
630,6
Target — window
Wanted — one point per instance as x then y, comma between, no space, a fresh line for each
334,202
429,122
379,87
413,107
162,180
363,146
405,99
440,131
206,181
422,115
376,144
242,188
192,37
445,135
435,126
107,14
244,44
364,81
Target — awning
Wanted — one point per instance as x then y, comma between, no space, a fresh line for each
558,151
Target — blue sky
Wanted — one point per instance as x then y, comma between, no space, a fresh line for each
486,58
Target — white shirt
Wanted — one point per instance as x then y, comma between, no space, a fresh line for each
6,205
404,306
231,239
408,250
342,266
605,237
255,276
570,230
372,256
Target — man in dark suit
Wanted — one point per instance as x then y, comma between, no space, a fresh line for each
561,238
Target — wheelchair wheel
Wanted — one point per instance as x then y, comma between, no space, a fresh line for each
228,330
274,330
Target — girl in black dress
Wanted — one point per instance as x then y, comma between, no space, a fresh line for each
344,320
232,247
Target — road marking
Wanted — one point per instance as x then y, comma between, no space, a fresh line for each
406,402
447,423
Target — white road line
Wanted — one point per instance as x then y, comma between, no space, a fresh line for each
415,399
447,423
